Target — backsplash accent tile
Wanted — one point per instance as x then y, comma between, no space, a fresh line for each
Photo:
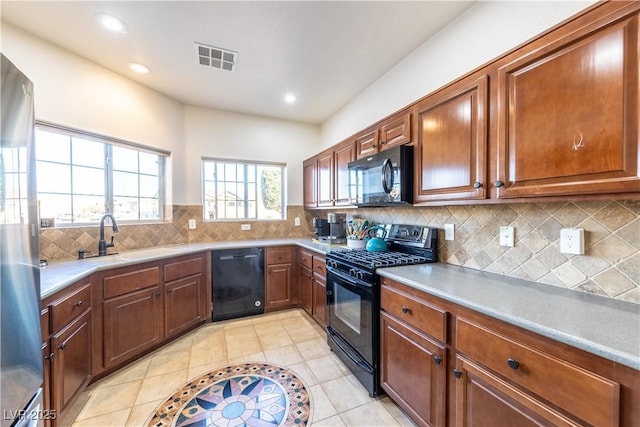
610,266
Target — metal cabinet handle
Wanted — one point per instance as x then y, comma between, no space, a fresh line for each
158,294
513,363
457,373
169,290
477,185
498,183
437,360
405,309
78,304
62,346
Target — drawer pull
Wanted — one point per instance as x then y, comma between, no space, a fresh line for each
513,363
457,373
437,360
405,309
78,304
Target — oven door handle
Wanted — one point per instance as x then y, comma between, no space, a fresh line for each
351,280
336,339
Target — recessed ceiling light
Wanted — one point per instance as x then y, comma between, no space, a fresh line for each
112,23
290,98
139,68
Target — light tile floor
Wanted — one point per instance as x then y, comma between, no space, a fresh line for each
288,338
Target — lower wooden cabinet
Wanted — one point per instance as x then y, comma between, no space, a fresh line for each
132,324
320,299
182,304
312,285
305,289
413,371
280,286
482,398
71,367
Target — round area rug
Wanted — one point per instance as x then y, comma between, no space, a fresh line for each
251,394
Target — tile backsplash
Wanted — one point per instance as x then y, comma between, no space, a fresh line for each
610,266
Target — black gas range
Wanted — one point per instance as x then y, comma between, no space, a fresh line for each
353,296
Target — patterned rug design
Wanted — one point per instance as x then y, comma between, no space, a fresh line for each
250,394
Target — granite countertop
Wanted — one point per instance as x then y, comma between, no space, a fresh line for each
57,275
599,325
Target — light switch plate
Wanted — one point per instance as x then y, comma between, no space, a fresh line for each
192,224
572,241
449,232
507,237
296,222
245,227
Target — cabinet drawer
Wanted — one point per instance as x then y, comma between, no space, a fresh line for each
414,311
65,309
555,380
129,282
180,269
319,266
279,256
306,259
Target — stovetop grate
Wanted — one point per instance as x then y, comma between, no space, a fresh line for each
373,260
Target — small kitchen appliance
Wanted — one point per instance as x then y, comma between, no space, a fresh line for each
321,227
353,297
375,243
337,229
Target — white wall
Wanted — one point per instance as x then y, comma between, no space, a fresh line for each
485,31
77,93
229,135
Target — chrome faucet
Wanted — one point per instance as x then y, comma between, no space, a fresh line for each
102,244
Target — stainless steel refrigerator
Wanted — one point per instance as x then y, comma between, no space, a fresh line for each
20,338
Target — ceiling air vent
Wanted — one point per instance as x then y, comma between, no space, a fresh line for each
215,57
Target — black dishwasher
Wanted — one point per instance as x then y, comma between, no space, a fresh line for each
237,282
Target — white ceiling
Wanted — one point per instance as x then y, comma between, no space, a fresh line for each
324,52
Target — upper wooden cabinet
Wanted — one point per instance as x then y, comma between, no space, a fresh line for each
450,154
326,177
568,111
393,131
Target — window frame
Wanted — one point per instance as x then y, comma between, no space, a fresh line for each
254,163
109,143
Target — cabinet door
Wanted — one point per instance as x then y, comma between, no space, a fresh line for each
367,143
452,140
305,289
71,367
395,131
568,115
320,300
182,304
413,372
46,381
279,287
484,399
310,186
132,324
344,154
325,179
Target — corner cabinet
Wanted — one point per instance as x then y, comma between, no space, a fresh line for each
450,154
186,303
326,177
568,111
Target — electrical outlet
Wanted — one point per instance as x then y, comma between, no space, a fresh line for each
296,221
572,241
245,227
192,224
507,237
449,232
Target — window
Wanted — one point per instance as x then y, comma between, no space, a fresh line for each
82,176
242,190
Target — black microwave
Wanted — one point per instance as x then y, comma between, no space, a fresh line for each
383,179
